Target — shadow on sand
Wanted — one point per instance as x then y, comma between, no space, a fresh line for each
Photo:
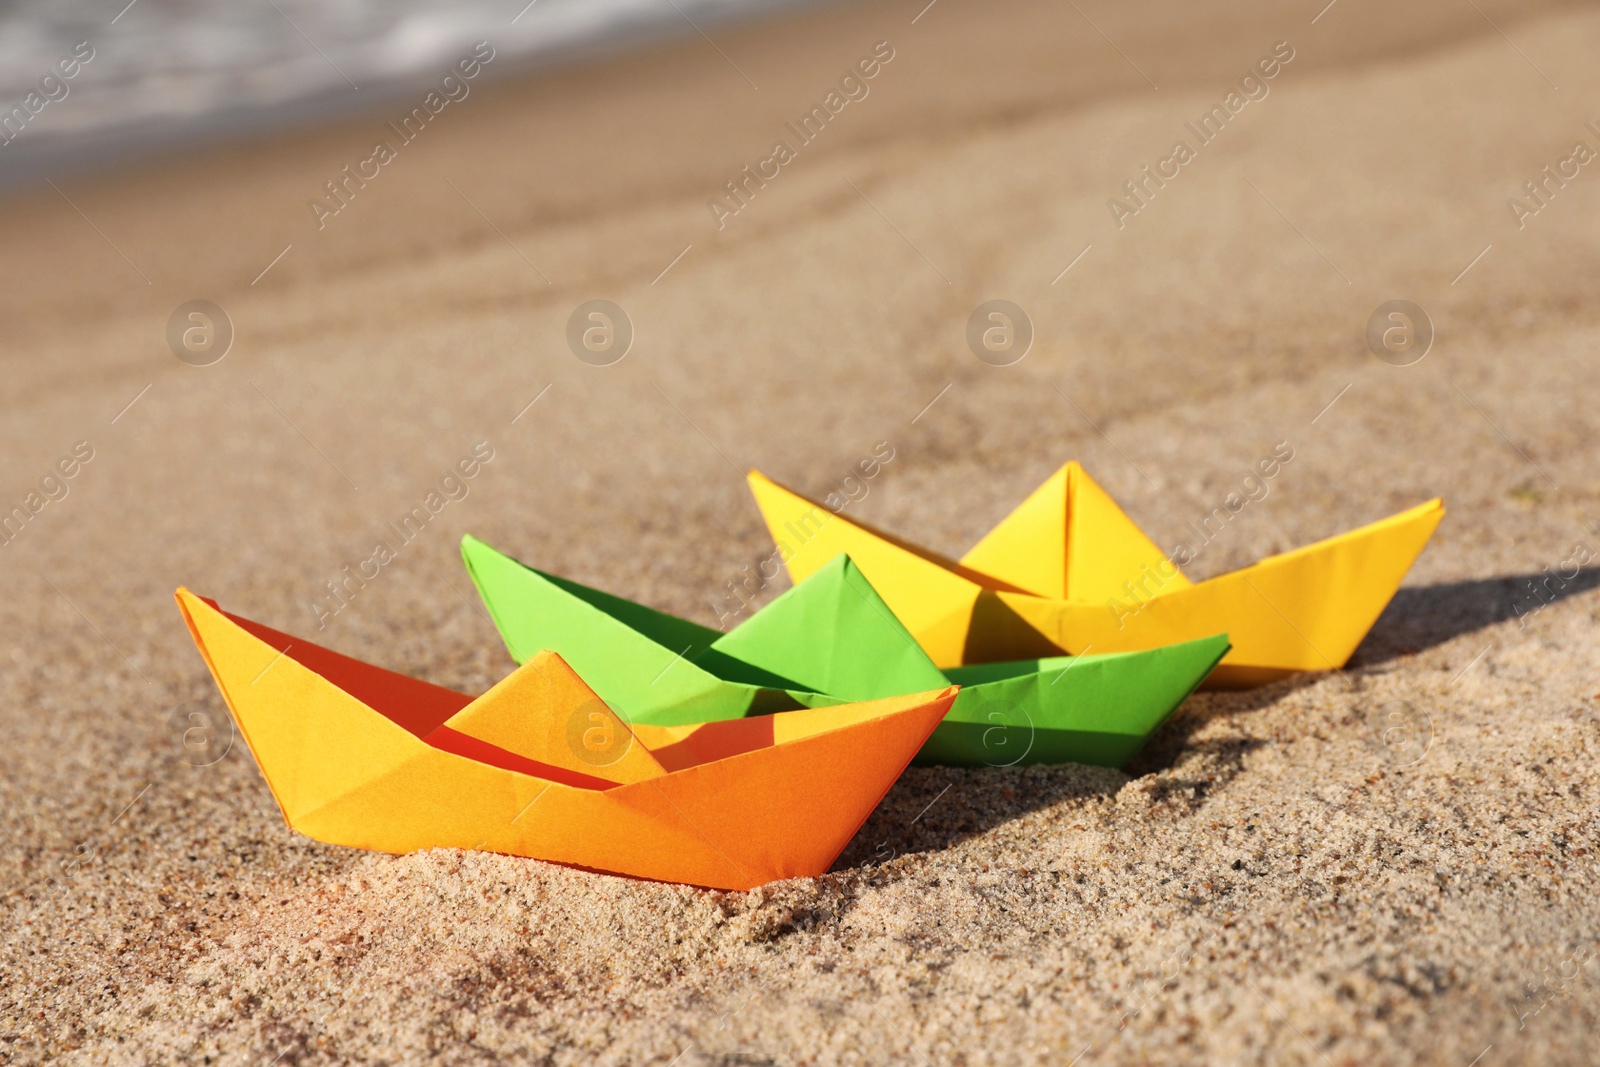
937,807
1422,617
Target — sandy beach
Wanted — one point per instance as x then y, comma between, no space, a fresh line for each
1274,880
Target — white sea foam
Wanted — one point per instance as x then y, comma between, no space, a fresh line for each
166,69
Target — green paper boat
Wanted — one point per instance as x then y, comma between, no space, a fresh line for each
832,640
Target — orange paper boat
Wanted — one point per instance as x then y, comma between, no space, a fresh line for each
538,766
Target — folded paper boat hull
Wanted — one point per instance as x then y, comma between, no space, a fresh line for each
1094,709
1303,610
833,632
346,773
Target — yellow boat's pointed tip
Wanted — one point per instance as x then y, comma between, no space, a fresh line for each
1423,510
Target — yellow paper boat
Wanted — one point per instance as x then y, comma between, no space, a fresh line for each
538,766
1067,571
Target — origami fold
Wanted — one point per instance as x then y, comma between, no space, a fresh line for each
829,639
538,766
1067,571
